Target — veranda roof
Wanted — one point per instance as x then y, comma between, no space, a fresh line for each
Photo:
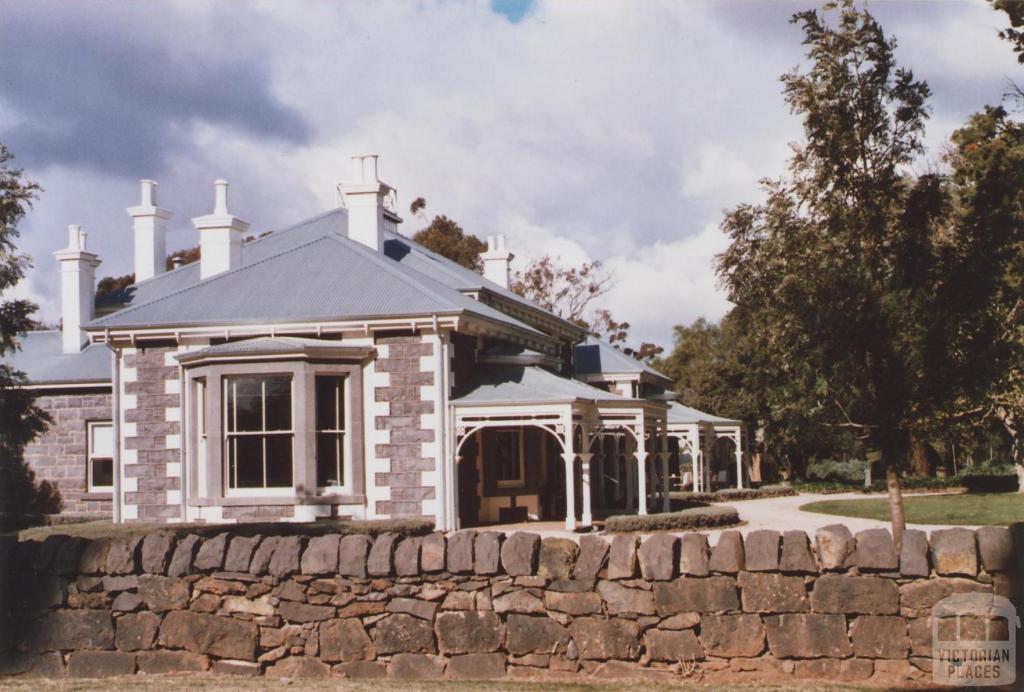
41,358
530,384
678,413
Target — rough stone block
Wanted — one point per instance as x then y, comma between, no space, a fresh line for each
303,612
761,551
696,595
321,555
352,553
800,635
163,593
682,621
244,668
345,640
407,556
136,631
25,665
487,553
875,550
460,552
432,553
262,555
94,557
240,552
693,555
285,560
520,601
164,662
156,552
476,667
796,554
100,664
381,560
519,554
557,558
835,593
63,630
361,669
403,633
880,636
294,667
65,562
919,597
122,557
622,600
914,554
673,646
659,557
954,553
223,637
593,554
184,554
600,639
727,556
416,667
834,545
583,603
424,610
211,553
465,632
732,636
995,546
765,592
535,635
622,559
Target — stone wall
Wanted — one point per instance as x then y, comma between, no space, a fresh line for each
482,605
59,455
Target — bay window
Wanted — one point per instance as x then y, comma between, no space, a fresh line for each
330,431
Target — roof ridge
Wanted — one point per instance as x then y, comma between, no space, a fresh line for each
207,281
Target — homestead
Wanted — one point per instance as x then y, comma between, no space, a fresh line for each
335,368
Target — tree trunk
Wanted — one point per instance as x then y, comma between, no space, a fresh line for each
1009,421
890,450
919,455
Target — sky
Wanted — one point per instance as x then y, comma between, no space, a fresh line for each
588,130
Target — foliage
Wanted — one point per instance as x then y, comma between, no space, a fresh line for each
568,292
445,237
1014,9
736,494
21,499
947,510
851,472
697,517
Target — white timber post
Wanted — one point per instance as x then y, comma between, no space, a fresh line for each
641,466
629,463
587,518
569,456
739,461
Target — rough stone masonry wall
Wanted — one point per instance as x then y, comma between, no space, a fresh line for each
59,455
480,605
408,430
152,434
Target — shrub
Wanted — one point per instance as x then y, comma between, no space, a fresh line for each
735,494
696,517
837,471
826,487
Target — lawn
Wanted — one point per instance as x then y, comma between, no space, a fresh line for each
951,510
164,683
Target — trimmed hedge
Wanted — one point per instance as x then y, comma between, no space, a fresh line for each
982,482
736,494
698,517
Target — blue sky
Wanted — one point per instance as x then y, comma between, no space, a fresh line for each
585,129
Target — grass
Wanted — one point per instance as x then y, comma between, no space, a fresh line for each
950,510
163,683
107,529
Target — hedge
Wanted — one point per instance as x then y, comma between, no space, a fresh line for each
698,517
735,494
972,482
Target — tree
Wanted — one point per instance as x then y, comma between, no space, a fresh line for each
1014,9
844,267
20,419
446,238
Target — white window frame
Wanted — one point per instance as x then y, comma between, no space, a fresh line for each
90,426
346,437
265,491
521,481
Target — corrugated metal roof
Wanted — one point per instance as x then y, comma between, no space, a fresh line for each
42,360
328,277
678,413
268,344
508,384
595,356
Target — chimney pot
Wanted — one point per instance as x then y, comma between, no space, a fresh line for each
148,193
177,262
220,194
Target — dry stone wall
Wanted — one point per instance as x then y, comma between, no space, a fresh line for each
484,605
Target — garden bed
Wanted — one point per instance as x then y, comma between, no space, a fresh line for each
698,516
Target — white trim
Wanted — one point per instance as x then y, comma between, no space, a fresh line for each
90,426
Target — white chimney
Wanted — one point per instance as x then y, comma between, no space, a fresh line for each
149,225
220,236
498,261
77,289
370,204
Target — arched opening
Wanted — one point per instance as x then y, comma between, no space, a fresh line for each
723,463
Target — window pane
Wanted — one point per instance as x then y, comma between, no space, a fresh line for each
102,473
279,461
245,461
279,402
329,458
244,404
101,440
329,391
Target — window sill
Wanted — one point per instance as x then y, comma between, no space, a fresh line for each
282,500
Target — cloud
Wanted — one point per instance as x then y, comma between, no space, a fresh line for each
610,131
